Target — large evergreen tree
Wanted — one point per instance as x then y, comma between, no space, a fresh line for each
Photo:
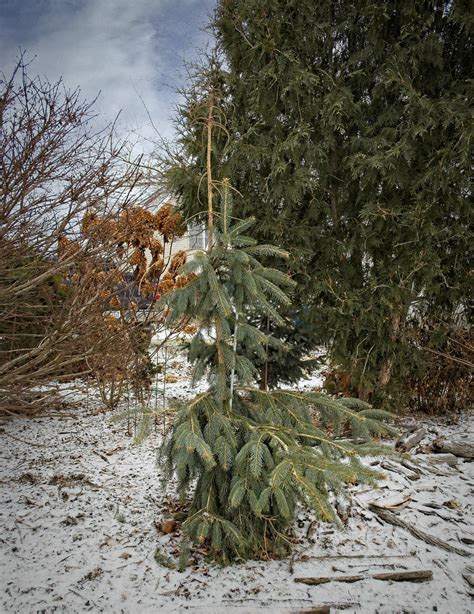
347,132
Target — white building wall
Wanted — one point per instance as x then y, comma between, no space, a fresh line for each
195,238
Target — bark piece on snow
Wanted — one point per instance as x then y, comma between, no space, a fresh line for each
468,575
447,459
394,502
412,467
467,540
409,440
400,469
423,575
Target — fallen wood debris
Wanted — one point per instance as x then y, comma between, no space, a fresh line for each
467,540
468,575
325,557
324,609
412,467
426,537
400,469
452,504
410,440
309,609
394,502
458,448
440,459
423,575
102,456
434,512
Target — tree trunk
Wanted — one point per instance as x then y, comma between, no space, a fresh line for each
385,372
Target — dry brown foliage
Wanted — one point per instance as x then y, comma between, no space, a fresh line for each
121,341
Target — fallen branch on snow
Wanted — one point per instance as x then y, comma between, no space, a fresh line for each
324,609
464,450
426,537
423,575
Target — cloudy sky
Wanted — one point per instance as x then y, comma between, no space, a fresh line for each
123,48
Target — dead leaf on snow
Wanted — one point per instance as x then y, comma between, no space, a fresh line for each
168,526
453,504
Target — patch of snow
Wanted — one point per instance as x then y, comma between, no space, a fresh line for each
80,505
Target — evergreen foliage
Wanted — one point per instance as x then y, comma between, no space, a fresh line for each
35,315
248,457
350,125
294,357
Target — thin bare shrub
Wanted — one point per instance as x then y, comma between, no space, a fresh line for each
55,166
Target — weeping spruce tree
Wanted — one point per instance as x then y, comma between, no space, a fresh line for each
243,456
183,170
349,136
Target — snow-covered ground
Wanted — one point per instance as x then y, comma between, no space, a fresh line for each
81,509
